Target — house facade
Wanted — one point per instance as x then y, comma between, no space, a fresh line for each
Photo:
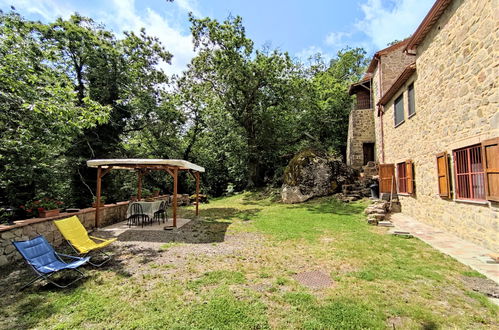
437,123
384,68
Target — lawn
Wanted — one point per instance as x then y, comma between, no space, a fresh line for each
238,269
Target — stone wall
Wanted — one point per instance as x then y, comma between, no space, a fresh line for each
392,65
30,228
360,130
457,97
393,62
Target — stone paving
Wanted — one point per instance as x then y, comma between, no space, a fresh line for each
463,251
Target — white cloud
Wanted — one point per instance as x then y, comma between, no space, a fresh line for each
188,6
122,15
48,9
305,55
383,24
336,39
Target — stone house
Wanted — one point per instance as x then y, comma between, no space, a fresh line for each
436,120
384,68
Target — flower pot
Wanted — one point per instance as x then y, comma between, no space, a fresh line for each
94,204
48,213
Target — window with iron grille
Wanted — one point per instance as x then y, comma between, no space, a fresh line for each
469,173
410,100
399,110
402,177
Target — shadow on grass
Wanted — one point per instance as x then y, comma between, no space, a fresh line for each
194,232
222,213
27,308
330,205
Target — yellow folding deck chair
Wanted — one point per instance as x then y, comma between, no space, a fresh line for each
77,237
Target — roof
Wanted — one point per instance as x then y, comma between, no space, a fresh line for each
361,83
144,163
430,19
399,82
384,51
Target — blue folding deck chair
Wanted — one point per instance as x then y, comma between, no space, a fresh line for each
45,262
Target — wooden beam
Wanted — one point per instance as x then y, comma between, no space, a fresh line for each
196,174
167,170
106,171
97,199
175,192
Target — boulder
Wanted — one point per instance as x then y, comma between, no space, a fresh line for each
313,173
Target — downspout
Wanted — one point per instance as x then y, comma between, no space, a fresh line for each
381,110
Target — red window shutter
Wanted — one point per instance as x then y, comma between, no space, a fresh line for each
409,172
443,175
490,154
386,178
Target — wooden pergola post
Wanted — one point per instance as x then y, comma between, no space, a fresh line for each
175,183
139,184
97,198
196,174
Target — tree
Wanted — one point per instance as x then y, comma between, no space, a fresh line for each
329,121
258,89
39,112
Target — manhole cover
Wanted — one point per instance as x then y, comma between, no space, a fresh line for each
314,279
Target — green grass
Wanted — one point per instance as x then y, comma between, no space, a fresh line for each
378,279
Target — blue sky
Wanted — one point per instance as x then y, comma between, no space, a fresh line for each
300,27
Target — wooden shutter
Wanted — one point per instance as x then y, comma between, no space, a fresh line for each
386,178
443,175
409,173
490,154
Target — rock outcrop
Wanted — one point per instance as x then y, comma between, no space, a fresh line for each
313,173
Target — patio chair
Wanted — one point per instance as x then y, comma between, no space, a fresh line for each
45,262
137,215
77,237
161,213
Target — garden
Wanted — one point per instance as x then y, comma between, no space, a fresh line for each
252,262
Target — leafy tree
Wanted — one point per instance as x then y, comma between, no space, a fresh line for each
39,112
332,104
258,89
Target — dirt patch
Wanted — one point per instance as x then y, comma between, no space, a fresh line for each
482,285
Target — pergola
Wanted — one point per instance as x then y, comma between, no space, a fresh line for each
142,167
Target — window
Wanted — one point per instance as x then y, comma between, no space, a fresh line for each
402,178
468,168
410,97
399,110
490,149
443,175
405,175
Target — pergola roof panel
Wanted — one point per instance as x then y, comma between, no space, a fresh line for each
131,163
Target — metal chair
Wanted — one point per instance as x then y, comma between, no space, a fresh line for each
137,215
161,213
77,237
45,262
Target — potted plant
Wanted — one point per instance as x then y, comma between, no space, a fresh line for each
102,201
155,192
44,207
146,194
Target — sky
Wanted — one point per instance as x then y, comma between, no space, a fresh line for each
301,28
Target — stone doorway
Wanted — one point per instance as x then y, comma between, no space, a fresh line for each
368,152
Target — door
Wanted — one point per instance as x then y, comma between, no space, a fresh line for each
387,178
368,151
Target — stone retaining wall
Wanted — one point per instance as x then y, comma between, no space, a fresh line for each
30,228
